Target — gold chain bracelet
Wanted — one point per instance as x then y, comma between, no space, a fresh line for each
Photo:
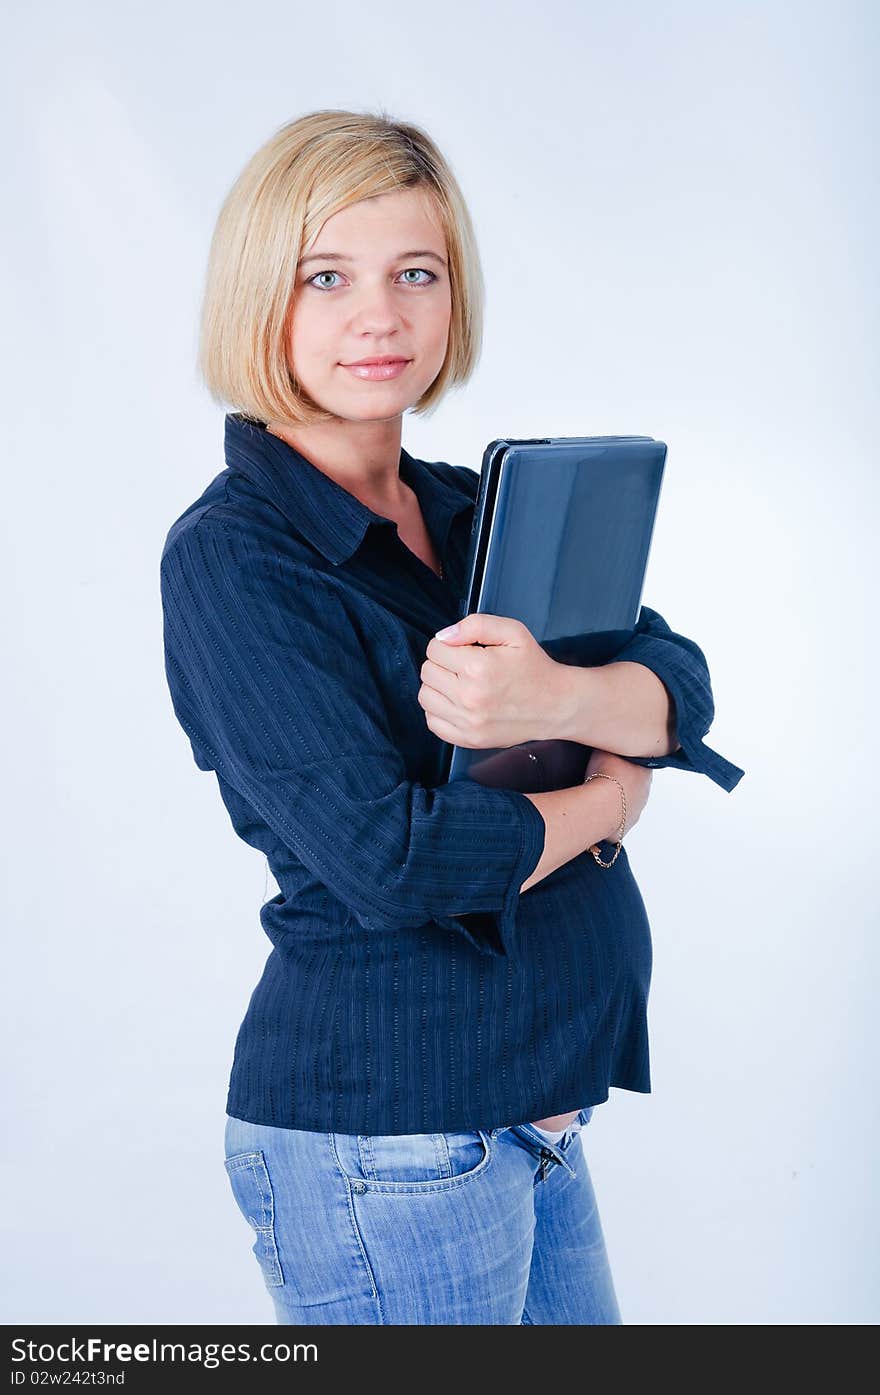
594,847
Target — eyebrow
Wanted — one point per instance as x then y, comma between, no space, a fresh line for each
341,257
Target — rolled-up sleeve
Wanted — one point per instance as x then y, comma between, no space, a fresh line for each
271,680
681,666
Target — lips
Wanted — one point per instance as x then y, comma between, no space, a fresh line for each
374,362
377,370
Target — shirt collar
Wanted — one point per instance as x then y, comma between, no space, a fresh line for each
324,513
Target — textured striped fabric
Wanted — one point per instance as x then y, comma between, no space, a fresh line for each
410,988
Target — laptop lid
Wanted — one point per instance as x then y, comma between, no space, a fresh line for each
561,537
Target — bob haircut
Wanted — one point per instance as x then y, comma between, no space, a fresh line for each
310,169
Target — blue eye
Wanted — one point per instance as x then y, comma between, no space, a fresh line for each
424,272
314,278
419,269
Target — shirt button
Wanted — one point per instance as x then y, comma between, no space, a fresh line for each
359,1186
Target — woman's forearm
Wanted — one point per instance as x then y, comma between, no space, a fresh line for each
574,819
622,707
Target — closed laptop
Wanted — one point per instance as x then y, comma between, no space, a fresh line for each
561,538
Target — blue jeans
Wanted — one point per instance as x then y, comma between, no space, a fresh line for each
482,1226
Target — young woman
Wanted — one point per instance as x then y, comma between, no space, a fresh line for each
458,973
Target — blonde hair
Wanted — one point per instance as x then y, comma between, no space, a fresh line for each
310,169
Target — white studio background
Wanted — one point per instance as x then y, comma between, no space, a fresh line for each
677,214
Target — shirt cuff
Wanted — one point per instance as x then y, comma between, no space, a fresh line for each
692,719
697,756
495,931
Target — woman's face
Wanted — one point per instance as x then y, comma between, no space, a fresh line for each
374,285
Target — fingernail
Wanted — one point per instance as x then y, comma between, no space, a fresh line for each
449,631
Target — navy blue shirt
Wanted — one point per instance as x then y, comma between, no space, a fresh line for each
410,987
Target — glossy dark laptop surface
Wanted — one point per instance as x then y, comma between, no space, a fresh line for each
561,537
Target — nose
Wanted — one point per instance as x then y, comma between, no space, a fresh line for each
376,310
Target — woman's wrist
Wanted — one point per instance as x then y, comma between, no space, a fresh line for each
604,805
616,836
576,818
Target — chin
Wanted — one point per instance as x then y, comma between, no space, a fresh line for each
346,412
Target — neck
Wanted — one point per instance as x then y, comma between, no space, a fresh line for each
364,457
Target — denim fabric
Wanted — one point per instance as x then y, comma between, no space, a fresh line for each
478,1226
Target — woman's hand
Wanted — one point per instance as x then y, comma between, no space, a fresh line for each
489,685
636,781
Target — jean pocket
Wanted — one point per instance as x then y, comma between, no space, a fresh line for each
420,1162
252,1189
